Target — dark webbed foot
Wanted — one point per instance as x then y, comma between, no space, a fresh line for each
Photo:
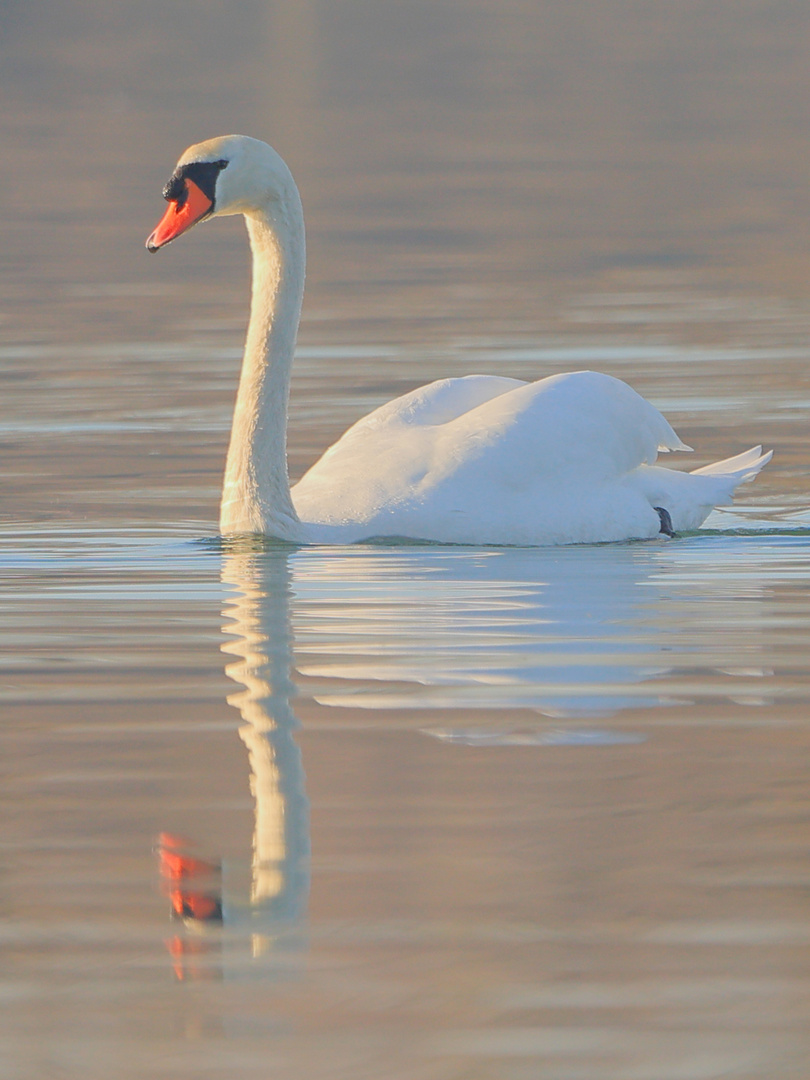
666,521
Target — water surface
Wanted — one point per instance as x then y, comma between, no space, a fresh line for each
417,812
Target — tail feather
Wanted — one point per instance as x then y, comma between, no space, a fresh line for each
740,468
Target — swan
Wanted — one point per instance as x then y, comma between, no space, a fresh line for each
482,459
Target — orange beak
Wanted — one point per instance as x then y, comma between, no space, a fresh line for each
179,218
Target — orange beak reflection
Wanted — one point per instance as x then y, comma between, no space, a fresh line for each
179,218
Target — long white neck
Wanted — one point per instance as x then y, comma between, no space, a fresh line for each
256,489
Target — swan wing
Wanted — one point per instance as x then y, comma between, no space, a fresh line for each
583,428
438,402
483,447
383,458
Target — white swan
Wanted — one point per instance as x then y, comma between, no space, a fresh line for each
477,460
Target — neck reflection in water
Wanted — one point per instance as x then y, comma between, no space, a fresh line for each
259,626
263,644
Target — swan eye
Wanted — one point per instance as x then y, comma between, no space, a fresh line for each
175,190
203,173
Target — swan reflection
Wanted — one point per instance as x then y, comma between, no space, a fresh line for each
275,899
260,614
566,632
561,632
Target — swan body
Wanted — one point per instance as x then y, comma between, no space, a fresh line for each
478,460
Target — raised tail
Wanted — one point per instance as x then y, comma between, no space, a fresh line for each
690,497
738,469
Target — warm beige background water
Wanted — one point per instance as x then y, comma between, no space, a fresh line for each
501,186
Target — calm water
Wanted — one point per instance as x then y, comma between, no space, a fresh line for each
416,813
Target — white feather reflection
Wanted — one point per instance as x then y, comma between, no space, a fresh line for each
566,632
259,615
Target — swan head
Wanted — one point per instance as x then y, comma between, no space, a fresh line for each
233,174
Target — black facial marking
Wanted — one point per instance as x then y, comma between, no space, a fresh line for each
203,173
